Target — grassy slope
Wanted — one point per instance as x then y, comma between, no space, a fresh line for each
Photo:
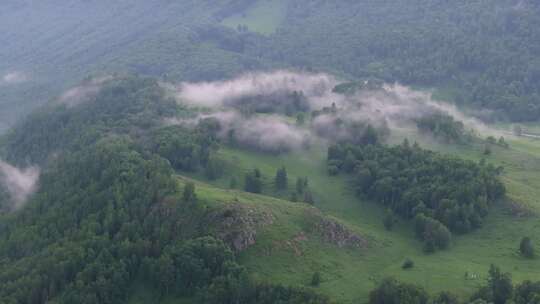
277,243
348,276
263,17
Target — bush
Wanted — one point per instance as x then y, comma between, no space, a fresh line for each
390,291
526,248
408,264
445,298
253,182
189,194
333,170
316,279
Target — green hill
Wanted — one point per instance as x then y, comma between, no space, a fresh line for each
113,219
478,53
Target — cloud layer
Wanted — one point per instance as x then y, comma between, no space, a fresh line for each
13,77
83,92
316,87
20,183
338,117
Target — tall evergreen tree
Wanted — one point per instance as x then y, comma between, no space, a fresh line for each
281,179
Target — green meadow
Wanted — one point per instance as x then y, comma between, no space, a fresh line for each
264,16
349,274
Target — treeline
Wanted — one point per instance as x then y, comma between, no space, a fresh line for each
467,48
482,53
5,199
82,237
206,269
440,193
497,290
109,215
187,150
444,128
125,105
109,212
254,183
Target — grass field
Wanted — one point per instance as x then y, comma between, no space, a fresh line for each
348,276
263,17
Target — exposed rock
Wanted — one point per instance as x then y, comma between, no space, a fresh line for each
519,210
237,225
339,235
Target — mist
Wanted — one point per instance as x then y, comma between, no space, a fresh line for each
422,103
316,87
335,117
20,183
13,77
83,92
266,133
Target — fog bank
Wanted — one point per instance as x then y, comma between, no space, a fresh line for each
83,92
241,105
13,77
20,183
314,86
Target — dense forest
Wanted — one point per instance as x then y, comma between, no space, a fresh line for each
482,54
280,180
440,193
498,289
485,52
109,213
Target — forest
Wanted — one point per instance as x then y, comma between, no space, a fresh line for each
440,193
109,212
269,151
480,54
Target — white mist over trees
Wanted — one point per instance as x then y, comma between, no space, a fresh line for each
20,183
246,108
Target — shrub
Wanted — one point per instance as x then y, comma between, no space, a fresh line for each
408,264
526,248
316,279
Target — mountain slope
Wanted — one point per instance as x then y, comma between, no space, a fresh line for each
479,53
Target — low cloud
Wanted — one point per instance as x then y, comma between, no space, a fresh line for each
316,87
83,92
417,104
19,183
239,102
268,133
14,77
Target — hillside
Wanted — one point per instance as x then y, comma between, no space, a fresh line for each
269,152
144,197
481,54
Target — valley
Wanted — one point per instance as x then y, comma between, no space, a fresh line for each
269,152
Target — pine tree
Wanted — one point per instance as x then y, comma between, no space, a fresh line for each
253,182
281,179
189,194
526,248
308,198
316,279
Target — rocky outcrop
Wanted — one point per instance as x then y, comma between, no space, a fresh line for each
333,232
237,225
336,233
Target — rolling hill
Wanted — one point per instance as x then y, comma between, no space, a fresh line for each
112,196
